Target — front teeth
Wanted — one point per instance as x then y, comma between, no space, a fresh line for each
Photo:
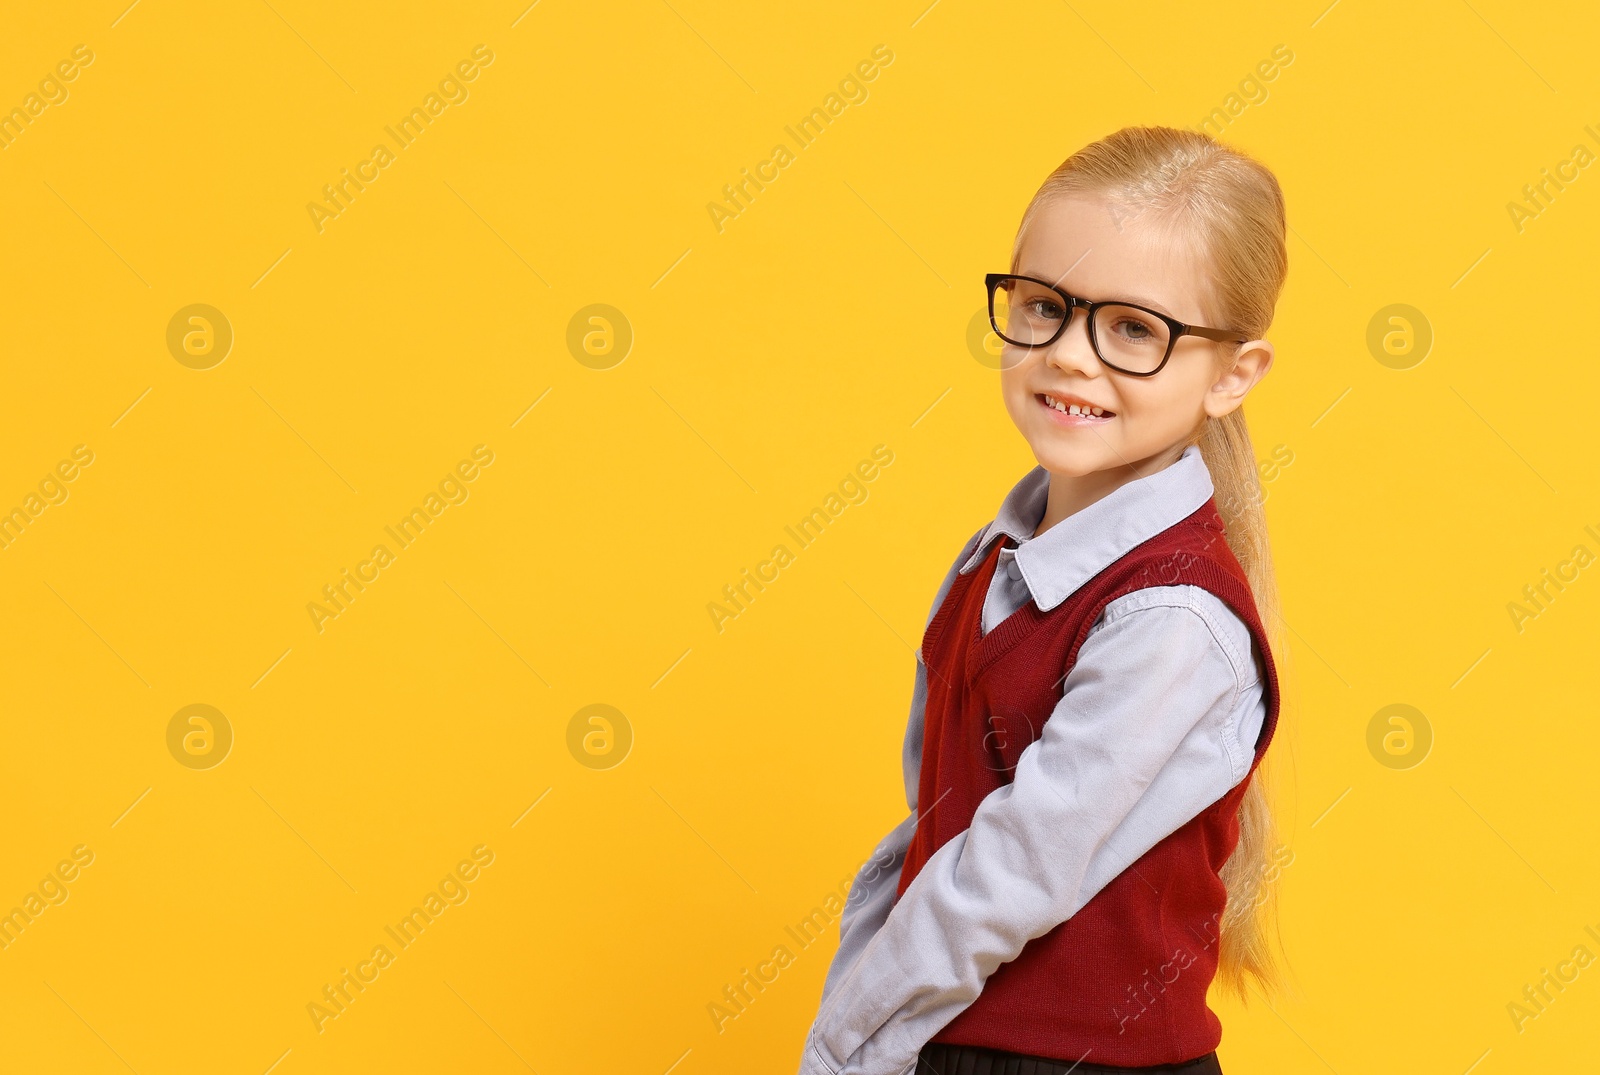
1073,408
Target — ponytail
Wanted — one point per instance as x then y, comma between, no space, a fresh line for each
1251,909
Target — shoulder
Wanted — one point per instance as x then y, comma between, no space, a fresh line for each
971,544
950,575
1184,619
1187,646
968,547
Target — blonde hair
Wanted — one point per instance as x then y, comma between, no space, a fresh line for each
1231,207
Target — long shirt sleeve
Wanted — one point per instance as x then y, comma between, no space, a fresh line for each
1157,720
872,892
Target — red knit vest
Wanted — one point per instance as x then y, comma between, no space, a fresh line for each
1123,981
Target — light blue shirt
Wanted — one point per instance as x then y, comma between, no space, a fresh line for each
1158,719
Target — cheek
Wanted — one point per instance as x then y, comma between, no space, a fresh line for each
1160,404
1151,410
1017,367
1013,388
1138,399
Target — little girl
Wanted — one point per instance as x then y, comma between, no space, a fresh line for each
1096,685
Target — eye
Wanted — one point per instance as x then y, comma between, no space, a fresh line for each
1132,327
1044,309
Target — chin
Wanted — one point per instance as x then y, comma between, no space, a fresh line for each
1072,462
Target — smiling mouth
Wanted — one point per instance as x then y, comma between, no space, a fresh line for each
1073,413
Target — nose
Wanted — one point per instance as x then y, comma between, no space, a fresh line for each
1072,352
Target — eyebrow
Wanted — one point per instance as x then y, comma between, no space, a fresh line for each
1135,299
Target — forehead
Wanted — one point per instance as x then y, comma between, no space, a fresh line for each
1099,249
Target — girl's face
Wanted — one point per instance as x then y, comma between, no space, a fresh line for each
1093,250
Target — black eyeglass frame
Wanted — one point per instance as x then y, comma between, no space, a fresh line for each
1178,328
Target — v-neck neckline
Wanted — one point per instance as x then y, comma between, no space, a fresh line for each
990,647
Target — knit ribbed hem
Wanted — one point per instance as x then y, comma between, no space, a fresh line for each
939,1058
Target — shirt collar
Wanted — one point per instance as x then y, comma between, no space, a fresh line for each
1079,547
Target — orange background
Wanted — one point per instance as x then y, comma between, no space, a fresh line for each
431,315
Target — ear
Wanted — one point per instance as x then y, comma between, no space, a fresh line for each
1249,366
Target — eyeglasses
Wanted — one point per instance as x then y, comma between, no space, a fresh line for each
1130,339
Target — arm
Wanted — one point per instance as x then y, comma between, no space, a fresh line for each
1145,736
872,893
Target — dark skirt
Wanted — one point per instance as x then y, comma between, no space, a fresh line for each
937,1058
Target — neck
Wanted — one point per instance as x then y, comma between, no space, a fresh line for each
1071,493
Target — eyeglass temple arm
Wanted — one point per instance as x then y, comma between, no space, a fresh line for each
1213,334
